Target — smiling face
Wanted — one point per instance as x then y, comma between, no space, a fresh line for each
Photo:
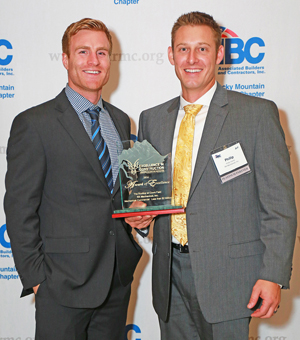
194,57
88,63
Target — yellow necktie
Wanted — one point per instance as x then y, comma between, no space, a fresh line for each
183,170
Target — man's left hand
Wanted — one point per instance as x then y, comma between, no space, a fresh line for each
270,293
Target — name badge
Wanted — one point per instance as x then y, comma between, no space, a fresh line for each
230,161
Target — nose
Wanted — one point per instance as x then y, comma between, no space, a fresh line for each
93,58
192,57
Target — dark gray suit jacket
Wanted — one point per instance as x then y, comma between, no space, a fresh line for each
239,231
58,207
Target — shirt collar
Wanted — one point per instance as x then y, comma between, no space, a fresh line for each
204,100
80,103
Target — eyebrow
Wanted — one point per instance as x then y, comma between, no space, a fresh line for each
199,43
88,48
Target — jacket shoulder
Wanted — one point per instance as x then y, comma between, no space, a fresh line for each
164,106
42,110
238,97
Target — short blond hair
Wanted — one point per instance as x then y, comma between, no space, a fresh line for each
84,24
197,19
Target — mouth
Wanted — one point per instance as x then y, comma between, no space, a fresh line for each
92,72
192,70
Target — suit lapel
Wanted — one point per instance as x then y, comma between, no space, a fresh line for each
167,124
75,129
216,116
167,127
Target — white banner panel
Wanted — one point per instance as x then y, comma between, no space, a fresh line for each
261,44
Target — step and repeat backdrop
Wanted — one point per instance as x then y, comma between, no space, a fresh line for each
261,59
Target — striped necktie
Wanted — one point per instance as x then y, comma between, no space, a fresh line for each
101,147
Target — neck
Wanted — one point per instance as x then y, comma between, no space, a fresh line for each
192,95
93,99
92,96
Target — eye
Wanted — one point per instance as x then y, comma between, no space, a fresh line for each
102,53
82,52
202,49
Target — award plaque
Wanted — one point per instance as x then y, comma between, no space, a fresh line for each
145,176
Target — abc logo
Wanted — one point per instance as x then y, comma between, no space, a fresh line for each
236,51
3,242
9,57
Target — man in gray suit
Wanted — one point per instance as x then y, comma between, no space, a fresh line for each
240,215
60,194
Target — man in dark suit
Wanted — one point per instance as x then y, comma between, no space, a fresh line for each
233,253
61,190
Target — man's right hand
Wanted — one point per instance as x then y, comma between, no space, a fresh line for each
139,222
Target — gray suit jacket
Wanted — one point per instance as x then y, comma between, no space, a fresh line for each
58,207
239,231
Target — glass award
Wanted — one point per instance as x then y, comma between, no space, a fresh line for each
145,176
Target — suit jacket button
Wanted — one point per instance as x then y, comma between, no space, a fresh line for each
111,233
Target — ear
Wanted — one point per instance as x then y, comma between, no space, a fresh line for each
171,55
65,61
220,54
